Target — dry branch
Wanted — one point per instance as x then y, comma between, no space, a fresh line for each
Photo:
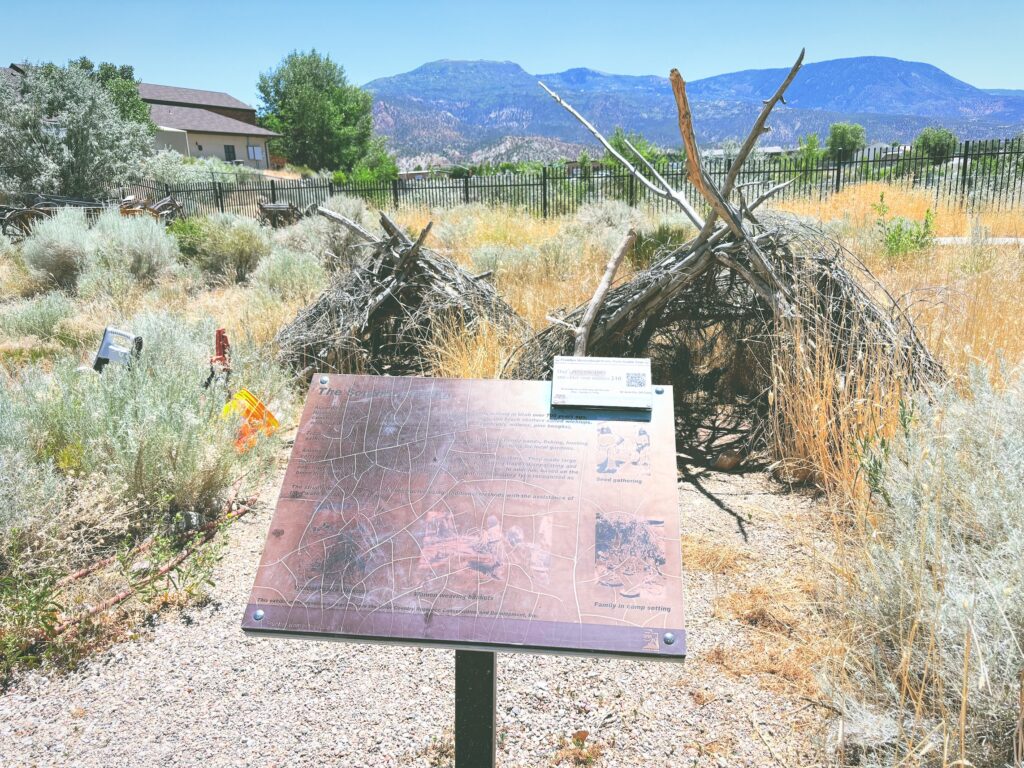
205,534
695,172
583,333
347,223
664,191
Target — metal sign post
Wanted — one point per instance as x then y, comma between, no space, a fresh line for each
475,694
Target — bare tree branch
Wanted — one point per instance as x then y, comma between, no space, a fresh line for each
347,223
583,332
755,133
666,193
695,171
673,194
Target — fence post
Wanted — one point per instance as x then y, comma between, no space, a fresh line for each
330,187
963,170
394,193
839,174
544,191
220,196
273,192
167,190
465,190
631,190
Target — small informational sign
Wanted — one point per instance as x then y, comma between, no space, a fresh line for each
462,514
614,383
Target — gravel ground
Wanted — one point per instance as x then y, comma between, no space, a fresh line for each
196,691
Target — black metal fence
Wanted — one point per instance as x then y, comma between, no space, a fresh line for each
980,174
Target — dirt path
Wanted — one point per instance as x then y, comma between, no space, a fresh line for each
195,691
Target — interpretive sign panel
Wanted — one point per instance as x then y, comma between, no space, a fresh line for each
459,513
601,382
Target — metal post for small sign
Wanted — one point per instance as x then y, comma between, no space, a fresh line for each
475,694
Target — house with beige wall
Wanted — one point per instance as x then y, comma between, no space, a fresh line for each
200,123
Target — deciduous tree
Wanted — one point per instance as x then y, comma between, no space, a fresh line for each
122,86
844,139
937,144
324,121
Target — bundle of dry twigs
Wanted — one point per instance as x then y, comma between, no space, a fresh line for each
378,318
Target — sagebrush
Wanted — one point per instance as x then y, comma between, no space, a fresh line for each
939,593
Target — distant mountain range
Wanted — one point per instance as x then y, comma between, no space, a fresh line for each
466,111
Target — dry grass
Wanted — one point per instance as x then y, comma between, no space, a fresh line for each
822,418
577,751
854,206
778,606
533,290
781,664
476,226
477,353
966,301
784,642
712,556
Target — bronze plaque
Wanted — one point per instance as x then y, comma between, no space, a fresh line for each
459,513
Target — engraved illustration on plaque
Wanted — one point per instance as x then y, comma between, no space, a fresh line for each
435,511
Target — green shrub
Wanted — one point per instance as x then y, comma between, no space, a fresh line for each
653,244
91,464
35,317
603,224
189,233
606,215
148,427
901,236
170,167
127,252
28,489
302,170
59,248
138,245
941,600
224,244
291,275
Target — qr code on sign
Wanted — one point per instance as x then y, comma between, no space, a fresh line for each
636,379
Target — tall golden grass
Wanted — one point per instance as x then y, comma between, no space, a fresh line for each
535,290
855,206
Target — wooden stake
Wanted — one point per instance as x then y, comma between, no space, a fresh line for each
694,170
583,332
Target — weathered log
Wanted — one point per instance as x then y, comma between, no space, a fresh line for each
347,223
583,332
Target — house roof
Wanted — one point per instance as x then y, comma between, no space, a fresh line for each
202,121
192,96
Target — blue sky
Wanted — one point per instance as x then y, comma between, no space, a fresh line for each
225,45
